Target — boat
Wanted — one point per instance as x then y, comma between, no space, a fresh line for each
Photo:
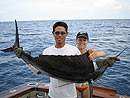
40,90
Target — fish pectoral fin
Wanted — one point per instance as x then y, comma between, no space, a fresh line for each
33,69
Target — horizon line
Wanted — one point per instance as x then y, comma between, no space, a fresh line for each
65,19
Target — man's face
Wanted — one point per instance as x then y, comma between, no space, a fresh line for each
60,35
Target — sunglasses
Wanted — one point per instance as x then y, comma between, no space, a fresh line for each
57,33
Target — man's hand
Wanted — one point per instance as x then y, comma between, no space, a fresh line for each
18,52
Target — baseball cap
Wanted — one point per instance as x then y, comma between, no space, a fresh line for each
82,34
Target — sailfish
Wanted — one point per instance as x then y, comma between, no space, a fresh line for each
73,68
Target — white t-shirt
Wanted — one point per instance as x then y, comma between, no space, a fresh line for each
58,88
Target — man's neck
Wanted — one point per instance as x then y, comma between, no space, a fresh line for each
60,45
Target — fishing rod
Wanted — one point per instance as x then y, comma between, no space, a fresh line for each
121,52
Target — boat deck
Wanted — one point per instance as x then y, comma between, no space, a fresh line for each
31,89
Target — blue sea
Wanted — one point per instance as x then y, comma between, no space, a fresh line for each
108,35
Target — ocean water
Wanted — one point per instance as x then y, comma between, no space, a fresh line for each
110,36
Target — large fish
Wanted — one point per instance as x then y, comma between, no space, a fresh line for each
76,68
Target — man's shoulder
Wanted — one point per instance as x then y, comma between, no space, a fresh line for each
51,47
70,46
45,51
73,49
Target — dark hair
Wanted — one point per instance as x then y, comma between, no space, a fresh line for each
63,24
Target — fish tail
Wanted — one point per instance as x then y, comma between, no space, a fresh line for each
16,44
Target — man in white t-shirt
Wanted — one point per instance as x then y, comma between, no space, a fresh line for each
58,88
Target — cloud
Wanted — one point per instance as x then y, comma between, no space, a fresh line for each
104,3
63,9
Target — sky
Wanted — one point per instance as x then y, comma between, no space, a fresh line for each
24,10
